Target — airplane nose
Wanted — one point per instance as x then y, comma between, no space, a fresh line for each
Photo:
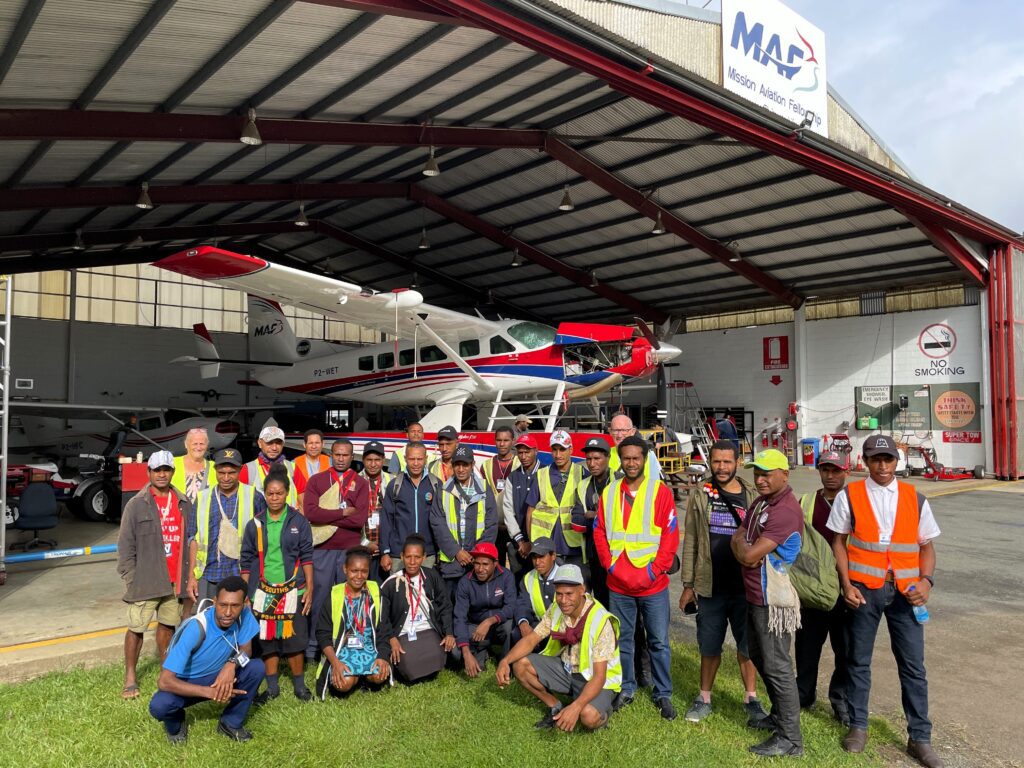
667,352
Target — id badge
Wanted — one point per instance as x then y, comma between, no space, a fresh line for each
374,520
355,643
412,634
885,538
342,504
568,667
242,658
500,485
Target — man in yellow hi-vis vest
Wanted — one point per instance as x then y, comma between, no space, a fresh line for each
550,501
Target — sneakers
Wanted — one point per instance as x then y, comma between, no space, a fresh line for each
621,700
181,736
235,734
777,746
698,710
548,721
756,715
667,710
303,694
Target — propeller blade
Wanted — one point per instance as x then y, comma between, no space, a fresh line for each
647,333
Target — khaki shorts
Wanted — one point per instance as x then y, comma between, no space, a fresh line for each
167,610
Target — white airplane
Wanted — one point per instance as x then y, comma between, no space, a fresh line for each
439,357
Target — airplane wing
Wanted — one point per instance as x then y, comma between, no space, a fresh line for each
80,410
396,312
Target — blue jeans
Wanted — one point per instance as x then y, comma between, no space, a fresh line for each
907,641
169,708
655,612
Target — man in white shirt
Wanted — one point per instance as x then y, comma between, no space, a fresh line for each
886,563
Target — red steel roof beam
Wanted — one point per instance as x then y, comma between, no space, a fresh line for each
99,125
648,207
495,234
82,197
953,249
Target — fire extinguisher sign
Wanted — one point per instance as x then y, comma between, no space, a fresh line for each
776,353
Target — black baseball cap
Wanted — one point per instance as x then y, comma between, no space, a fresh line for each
880,445
374,446
463,454
448,433
542,545
597,444
227,456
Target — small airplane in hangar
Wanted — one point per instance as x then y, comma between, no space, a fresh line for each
439,357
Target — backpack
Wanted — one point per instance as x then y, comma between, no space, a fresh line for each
396,484
200,619
813,574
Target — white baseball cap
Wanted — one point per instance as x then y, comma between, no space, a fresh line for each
159,459
268,434
562,438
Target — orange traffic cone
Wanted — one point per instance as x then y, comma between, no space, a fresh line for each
860,464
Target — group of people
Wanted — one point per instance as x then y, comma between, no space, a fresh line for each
560,574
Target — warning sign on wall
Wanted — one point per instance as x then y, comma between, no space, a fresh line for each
956,409
937,340
961,437
776,353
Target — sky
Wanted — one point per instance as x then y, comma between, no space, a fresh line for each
941,82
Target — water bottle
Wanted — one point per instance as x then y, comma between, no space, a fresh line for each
920,611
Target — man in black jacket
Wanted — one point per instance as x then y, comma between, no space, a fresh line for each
416,615
485,602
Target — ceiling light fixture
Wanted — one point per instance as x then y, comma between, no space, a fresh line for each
424,243
250,133
79,242
515,257
566,204
415,281
302,221
144,202
431,168
593,278
659,226
734,248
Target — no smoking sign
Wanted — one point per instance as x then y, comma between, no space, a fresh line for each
937,340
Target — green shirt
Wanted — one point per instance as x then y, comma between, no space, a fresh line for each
273,562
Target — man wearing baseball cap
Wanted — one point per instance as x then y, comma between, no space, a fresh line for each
537,589
216,530
152,562
441,467
596,452
463,516
377,481
886,561
485,601
766,546
581,659
522,424
817,624
549,502
254,473
513,503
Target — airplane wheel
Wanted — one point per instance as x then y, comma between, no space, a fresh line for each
979,471
95,504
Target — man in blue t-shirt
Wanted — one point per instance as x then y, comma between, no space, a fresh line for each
211,658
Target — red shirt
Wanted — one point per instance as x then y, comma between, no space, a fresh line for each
173,530
355,494
624,577
298,480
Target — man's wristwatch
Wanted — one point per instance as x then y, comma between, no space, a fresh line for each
929,579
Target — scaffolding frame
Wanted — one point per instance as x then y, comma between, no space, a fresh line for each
7,281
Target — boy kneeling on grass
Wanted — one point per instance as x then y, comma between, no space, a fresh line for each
581,659
210,659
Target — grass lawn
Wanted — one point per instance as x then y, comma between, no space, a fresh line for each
78,718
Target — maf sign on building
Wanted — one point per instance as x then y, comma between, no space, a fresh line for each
776,59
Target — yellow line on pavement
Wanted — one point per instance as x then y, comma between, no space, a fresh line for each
964,490
68,639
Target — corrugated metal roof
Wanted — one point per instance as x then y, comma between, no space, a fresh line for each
794,225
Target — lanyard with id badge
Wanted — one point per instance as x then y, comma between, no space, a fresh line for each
414,608
355,622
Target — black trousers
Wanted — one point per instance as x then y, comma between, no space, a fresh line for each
770,653
818,626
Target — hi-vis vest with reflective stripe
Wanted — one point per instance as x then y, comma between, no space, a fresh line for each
178,478
531,583
642,537
489,476
338,613
869,558
451,502
596,620
435,468
652,468
551,509
243,514
256,475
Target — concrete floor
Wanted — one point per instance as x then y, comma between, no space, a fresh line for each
973,637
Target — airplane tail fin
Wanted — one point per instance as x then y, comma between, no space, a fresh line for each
206,350
271,337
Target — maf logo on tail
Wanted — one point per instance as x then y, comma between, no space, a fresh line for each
269,329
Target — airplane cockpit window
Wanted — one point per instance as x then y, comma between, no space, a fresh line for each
153,422
431,354
532,335
407,357
470,348
173,416
500,346
385,360
366,363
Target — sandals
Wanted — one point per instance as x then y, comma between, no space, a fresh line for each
130,692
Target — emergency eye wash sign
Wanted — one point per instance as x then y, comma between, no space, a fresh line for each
776,59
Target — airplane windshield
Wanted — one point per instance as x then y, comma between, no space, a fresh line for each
532,335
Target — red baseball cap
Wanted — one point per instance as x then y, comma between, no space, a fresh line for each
485,549
528,440
836,459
